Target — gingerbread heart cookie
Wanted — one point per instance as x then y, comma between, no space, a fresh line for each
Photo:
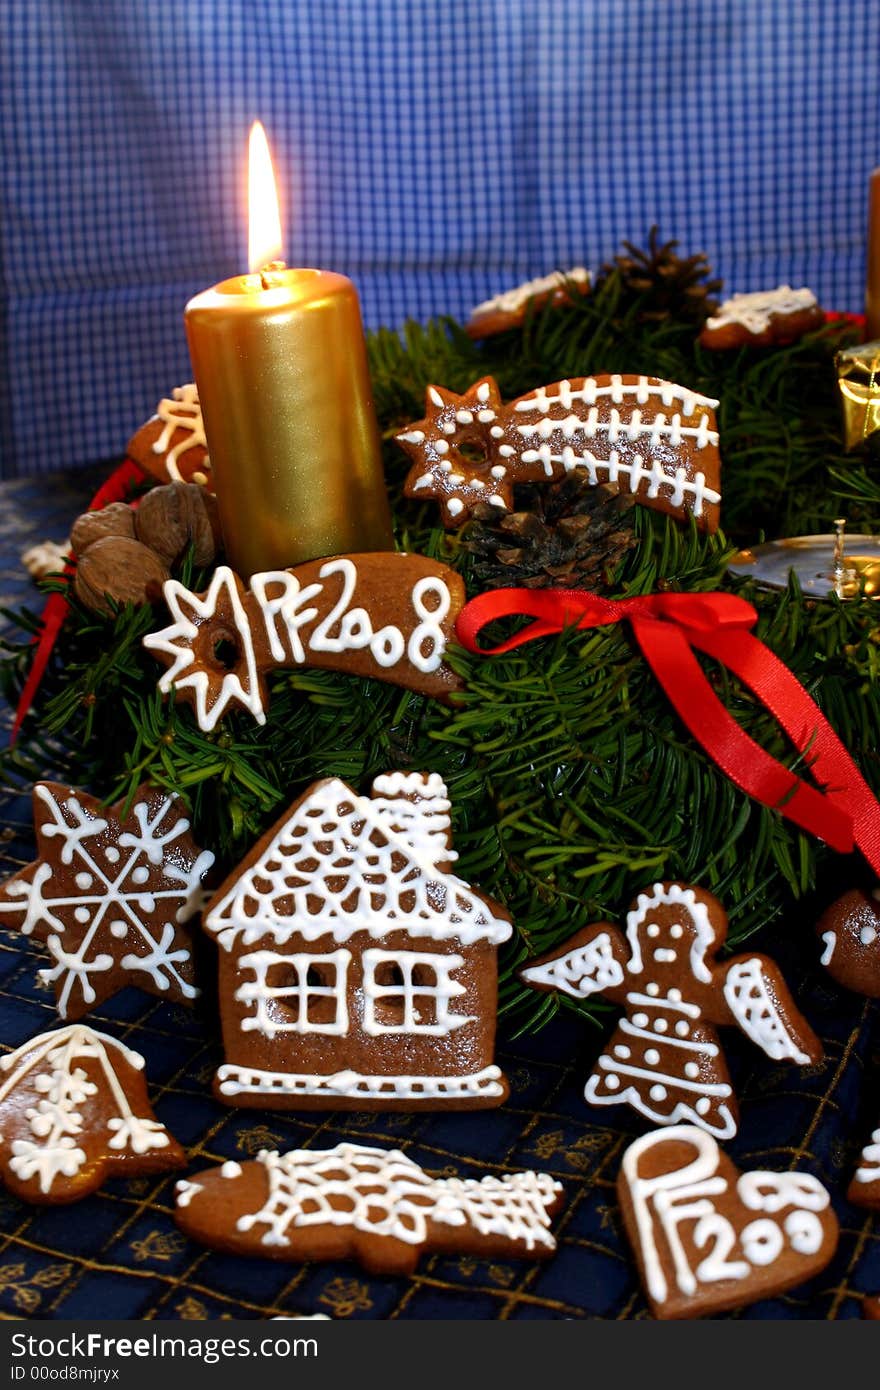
110,894
372,1205
73,1111
708,1238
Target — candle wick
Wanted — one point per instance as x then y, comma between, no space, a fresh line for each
268,273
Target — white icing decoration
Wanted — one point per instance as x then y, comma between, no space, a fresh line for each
386,1194
582,972
659,896
365,837
186,1190
867,935
297,995
869,1164
231,1169
671,1201
748,993
830,939
182,412
753,311
417,1000
512,300
45,558
239,1080
113,891
176,641
57,1120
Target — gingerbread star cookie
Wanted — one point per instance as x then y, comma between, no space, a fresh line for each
708,1238
74,1110
459,451
109,894
172,445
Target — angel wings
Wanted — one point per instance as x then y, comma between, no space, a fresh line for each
665,1058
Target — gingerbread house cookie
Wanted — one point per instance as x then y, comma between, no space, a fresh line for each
357,972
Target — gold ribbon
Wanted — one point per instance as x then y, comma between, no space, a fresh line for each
858,380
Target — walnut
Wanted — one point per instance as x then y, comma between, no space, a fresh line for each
172,517
116,519
116,567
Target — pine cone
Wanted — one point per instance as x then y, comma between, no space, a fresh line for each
571,534
668,285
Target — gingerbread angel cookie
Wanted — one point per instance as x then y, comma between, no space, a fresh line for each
708,1238
372,1205
74,1110
172,445
110,894
665,1058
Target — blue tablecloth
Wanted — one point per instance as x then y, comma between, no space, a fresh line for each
437,151
118,1253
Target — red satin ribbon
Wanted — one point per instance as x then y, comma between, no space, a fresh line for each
667,627
127,476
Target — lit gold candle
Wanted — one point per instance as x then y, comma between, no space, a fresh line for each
281,366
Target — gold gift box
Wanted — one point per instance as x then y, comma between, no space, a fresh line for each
858,380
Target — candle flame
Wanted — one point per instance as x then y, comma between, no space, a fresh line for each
264,220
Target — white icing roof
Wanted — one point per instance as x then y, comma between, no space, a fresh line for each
342,863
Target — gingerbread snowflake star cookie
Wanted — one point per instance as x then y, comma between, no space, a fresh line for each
109,894
665,1057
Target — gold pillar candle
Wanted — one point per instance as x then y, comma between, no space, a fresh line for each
872,260
280,362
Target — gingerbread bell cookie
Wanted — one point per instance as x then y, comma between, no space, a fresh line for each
357,972
708,1238
665,1058
646,437
850,933
767,318
172,445
372,1205
384,615
74,1111
110,893
508,310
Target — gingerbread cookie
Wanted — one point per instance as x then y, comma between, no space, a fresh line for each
384,615
508,310
646,437
109,895
864,1190
708,1238
871,1307
356,971
375,1206
850,930
172,445
665,1058
770,317
74,1111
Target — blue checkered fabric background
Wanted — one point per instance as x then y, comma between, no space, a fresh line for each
437,151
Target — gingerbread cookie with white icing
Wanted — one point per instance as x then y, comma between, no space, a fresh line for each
171,445
648,438
850,933
375,1206
708,1238
508,310
110,894
357,972
74,1111
864,1190
767,318
665,1057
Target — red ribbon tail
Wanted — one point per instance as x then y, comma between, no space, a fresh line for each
128,475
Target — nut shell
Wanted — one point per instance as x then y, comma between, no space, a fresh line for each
172,517
116,519
120,569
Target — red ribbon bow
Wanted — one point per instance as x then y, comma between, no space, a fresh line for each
668,627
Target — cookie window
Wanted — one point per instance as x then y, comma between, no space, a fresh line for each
296,994
411,992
